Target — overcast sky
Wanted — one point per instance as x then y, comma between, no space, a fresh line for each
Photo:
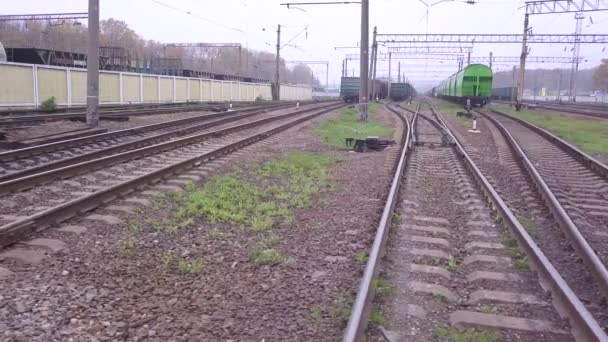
253,23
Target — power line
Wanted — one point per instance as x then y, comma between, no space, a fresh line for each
197,16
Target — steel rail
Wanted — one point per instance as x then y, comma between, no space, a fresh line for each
72,170
577,240
357,324
584,326
60,145
122,147
13,232
7,119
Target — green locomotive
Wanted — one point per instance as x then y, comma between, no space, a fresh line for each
474,83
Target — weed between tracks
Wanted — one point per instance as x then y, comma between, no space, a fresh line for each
255,198
347,125
590,135
465,335
258,197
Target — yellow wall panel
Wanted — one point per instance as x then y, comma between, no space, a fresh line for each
166,90
150,89
130,88
109,87
226,91
79,87
195,90
207,90
216,91
16,84
181,89
53,82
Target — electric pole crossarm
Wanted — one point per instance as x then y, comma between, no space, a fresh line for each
565,6
492,38
203,45
46,16
425,49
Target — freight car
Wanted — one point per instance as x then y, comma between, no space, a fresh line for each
401,91
504,93
474,83
349,89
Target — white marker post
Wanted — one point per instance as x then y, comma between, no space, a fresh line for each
474,130
297,105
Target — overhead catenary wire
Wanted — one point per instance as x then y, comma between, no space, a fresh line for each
197,16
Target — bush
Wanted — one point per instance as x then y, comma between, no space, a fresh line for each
49,105
259,98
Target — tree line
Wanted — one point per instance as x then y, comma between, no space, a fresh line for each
69,35
587,80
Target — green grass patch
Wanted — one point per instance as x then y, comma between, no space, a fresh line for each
590,135
127,248
347,125
171,262
377,317
465,335
362,257
507,239
448,107
258,197
519,258
382,287
268,257
528,224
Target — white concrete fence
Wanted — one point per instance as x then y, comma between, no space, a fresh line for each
28,85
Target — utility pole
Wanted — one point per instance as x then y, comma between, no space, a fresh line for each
375,60
399,72
522,63
342,75
389,73
277,90
469,58
490,59
326,76
363,60
372,64
514,90
559,87
93,65
577,49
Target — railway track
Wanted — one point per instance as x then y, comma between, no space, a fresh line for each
25,212
17,120
452,264
27,161
571,179
585,110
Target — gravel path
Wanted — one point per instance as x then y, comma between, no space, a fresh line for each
109,282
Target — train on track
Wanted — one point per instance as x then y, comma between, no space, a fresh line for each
504,93
349,90
474,83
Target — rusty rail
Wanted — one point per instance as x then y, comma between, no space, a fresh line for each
15,231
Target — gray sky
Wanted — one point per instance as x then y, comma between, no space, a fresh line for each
243,21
